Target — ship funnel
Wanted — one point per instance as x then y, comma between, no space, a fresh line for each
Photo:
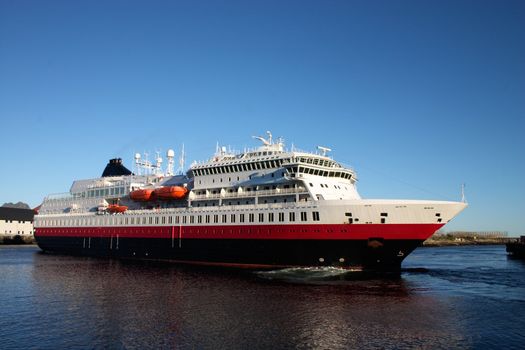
115,168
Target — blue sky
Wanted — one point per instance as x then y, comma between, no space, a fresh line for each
418,96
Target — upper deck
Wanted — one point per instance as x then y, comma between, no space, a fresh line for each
267,174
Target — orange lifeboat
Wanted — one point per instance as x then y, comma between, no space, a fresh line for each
143,195
171,192
115,208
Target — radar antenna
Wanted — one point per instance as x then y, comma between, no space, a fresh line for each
324,150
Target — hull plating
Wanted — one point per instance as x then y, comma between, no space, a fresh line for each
251,248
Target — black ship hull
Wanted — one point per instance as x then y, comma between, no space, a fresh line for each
367,254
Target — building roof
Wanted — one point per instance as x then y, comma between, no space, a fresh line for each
18,214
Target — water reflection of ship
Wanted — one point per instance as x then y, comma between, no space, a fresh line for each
192,307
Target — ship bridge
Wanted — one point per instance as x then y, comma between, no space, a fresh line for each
272,168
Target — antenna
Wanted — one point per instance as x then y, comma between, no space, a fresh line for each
263,140
158,166
170,155
324,150
463,199
182,159
137,163
269,137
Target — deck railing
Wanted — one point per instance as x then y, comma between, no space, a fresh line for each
258,193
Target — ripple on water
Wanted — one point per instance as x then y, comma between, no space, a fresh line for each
444,298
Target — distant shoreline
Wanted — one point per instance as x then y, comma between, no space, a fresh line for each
450,242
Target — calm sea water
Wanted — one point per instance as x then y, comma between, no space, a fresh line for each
448,298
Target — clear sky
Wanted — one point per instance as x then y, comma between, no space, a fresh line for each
417,96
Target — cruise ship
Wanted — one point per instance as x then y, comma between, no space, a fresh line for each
264,208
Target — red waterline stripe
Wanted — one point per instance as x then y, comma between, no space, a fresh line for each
320,232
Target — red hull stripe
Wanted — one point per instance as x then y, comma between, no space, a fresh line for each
300,232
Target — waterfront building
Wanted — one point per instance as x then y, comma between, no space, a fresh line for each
16,224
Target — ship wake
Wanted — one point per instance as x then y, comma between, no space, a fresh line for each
309,274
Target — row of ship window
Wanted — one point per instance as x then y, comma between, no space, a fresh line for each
104,192
319,172
19,232
326,186
16,221
234,168
100,192
271,164
254,189
318,161
185,219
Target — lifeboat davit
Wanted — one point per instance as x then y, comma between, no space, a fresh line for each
115,208
142,195
171,192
